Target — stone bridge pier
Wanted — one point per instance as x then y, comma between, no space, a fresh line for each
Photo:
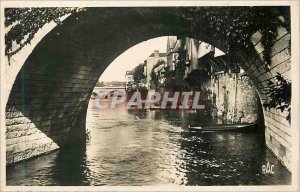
49,83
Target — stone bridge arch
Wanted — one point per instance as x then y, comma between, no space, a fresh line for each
48,98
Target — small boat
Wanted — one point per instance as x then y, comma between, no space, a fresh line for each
224,127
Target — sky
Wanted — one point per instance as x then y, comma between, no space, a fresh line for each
132,57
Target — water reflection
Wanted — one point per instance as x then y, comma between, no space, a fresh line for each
153,148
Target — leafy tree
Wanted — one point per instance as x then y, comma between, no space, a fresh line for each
155,77
279,94
196,78
23,24
236,25
138,73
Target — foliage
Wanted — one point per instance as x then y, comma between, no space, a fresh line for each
23,24
138,73
154,79
279,94
236,25
154,76
196,78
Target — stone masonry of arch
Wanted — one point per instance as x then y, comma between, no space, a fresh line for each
49,83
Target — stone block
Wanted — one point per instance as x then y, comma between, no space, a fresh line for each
280,57
281,44
255,38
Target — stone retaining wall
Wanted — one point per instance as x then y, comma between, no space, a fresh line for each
48,89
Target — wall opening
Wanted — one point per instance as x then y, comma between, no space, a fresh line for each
52,90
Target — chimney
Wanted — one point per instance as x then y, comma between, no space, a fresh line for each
156,53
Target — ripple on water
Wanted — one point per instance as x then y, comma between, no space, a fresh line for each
152,150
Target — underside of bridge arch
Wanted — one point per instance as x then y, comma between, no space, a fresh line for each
47,104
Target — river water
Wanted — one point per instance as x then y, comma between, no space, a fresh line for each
153,148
